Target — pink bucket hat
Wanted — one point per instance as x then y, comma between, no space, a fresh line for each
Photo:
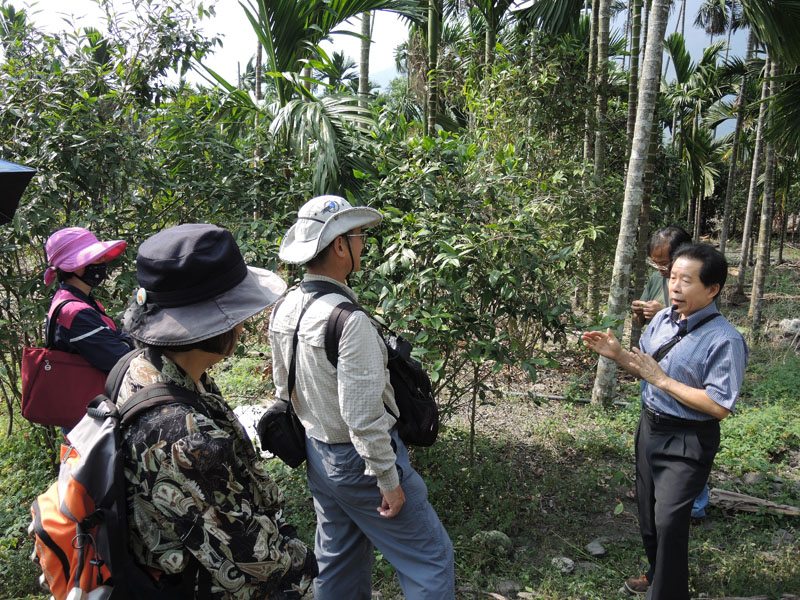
71,248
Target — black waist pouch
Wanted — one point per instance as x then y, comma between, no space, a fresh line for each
282,434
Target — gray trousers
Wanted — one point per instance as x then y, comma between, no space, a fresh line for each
349,526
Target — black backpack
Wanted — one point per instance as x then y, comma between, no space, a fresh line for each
418,421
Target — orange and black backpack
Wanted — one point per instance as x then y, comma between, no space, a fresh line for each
79,523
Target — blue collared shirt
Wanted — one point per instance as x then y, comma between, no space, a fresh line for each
712,358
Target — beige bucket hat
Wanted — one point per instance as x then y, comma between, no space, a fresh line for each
320,221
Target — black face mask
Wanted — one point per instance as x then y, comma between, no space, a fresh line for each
94,275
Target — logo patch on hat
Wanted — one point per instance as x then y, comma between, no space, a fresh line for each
141,296
330,207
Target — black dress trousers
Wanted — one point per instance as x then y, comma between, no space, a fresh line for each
673,461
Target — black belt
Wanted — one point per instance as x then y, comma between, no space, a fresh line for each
669,420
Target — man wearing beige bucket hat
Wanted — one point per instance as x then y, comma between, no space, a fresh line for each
366,493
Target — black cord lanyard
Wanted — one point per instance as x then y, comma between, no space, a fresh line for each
667,346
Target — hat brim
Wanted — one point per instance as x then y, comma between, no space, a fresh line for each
91,253
182,325
298,252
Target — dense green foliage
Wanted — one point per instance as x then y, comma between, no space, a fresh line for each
25,470
495,231
119,150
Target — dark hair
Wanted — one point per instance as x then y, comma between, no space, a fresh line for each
62,276
671,236
224,344
714,268
320,258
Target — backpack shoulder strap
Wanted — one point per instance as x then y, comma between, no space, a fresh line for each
333,334
334,328
114,379
151,396
159,394
292,374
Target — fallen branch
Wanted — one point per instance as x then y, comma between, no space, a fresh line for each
550,396
734,501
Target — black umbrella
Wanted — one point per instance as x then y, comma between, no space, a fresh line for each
13,181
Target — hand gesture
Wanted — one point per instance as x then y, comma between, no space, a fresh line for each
649,369
604,343
650,308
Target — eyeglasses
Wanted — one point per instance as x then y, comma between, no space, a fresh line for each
363,236
654,265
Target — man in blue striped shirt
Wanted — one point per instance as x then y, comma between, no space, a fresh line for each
691,363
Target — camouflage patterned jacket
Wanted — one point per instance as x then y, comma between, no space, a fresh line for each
196,490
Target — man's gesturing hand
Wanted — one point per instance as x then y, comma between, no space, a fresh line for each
649,369
605,343
392,502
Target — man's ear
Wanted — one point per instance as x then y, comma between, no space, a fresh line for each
338,246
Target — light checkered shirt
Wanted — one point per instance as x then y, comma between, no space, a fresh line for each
344,405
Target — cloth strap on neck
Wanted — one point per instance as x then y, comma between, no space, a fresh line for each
667,346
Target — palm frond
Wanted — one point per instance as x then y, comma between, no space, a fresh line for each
291,30
785,129
675,46
551,16
711,55
492,10
327,129
713,17
776,23
718,113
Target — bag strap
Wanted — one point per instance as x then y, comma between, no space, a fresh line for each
332,288
339,316
151,396
664,349
333,335
334,328
159,394
50,333
51,330
293,363
115,376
